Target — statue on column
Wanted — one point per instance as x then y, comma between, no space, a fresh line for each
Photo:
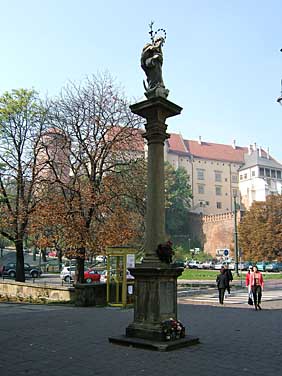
151,63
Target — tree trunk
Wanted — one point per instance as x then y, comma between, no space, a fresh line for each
60,257
80,265
43,252
20,276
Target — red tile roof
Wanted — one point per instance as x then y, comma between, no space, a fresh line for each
219,152
176,143
206,150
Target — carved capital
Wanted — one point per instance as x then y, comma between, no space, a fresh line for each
156,132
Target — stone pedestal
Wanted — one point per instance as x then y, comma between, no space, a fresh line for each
155,301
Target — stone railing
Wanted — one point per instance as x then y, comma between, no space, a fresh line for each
35,293
218,217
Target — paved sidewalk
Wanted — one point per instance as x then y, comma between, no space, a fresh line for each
64,340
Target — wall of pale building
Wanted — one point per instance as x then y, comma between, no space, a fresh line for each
180,161
214,183
251,190
256,188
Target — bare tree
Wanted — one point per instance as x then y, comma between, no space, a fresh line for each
22,121
102,141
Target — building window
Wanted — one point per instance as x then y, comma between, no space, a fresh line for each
278,174
253,173
200,174
273,173
218,190
218,205
217,175
245,176
234,192
241,177
261,171
267,172
201,188
207,203
234,178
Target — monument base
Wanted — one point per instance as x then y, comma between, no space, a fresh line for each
155,345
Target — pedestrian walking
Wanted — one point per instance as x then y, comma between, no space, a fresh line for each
250,294
229,277
222,283
256,284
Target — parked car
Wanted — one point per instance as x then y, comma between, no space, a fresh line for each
179,264
193,264
92,276
218,266
273,267
208,265
261,266
104,275
68,273
9,270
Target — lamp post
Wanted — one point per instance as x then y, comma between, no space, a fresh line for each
235,236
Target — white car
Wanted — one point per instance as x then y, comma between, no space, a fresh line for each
67,273
194,265
208,265
218,266
104,275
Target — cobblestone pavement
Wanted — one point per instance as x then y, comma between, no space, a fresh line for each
64,340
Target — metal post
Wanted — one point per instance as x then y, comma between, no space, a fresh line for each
241,283
235,237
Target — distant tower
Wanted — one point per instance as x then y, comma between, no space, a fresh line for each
53,156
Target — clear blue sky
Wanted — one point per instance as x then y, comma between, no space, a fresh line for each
221,59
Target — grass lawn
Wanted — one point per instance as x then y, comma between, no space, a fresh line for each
210,275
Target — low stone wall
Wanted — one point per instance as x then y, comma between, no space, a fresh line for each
90,295
34,293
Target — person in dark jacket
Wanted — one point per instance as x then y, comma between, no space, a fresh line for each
229,277
222,284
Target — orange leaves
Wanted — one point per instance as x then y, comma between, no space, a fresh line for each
120,228
260,232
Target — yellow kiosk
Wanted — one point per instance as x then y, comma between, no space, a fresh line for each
119,282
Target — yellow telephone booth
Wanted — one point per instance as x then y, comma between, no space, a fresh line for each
120,283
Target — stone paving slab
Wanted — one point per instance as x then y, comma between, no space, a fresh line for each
64,340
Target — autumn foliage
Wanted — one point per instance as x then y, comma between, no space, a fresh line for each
260,232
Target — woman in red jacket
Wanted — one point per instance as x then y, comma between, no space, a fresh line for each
256,283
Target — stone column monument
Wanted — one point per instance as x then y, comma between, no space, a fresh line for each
156,277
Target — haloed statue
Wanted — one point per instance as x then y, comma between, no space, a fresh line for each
151,63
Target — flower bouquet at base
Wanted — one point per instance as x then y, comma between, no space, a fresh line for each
172,329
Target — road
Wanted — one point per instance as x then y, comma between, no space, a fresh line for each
238,296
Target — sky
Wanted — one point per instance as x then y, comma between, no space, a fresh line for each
222,59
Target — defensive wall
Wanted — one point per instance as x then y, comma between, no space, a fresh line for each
213,231
218,232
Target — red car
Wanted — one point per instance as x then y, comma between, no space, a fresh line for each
91,276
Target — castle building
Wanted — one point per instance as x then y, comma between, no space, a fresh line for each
260,176
219,172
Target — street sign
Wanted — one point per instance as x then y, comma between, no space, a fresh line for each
226,252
